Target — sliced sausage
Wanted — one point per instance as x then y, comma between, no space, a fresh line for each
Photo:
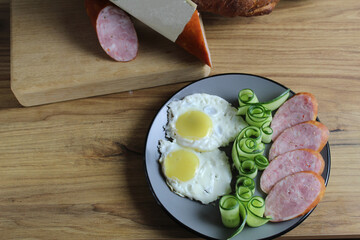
311,135
290,163
294,196
300,108
115,30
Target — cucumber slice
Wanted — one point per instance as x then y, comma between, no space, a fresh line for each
267,132
242,110
256,209
270,105
230,211
247,146
256,221
257,206
248,168
247,96
251,132
261,162
234,155
244,194
243,215
277,102
246,182
257,115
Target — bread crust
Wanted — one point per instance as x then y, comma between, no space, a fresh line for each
232,8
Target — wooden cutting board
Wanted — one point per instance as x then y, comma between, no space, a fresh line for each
55,56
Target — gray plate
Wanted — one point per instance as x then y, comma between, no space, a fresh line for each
205,220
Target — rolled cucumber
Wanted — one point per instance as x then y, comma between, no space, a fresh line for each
247,96
256,209
270,105
230,211
278,101
243,215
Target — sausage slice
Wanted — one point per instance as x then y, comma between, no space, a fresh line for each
115,30
290,163
300,108
294,196
311,135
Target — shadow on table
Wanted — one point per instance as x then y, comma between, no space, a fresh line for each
7,98
148,212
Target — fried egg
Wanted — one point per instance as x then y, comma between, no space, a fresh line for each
201,176
203,122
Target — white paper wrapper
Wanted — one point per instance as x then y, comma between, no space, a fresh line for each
167,17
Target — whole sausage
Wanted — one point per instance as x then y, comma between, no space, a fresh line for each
115,30
294,196
300,108
232,8
311,135
290,163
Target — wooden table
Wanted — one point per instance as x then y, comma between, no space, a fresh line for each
74,170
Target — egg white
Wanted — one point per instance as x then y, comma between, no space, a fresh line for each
212,177
225,123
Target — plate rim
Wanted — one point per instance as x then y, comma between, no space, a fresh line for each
326,180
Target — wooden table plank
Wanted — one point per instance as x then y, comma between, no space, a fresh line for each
74,170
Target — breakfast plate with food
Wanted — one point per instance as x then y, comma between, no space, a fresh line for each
238,156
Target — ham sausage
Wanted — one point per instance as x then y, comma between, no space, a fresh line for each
114,28
294,196
290,163
311,135
300,108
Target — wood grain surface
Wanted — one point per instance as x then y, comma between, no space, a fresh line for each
74,170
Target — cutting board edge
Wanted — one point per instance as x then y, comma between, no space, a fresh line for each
28,98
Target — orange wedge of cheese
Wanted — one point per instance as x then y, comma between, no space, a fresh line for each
193,39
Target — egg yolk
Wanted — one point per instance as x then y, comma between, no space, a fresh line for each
181,165
193,125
